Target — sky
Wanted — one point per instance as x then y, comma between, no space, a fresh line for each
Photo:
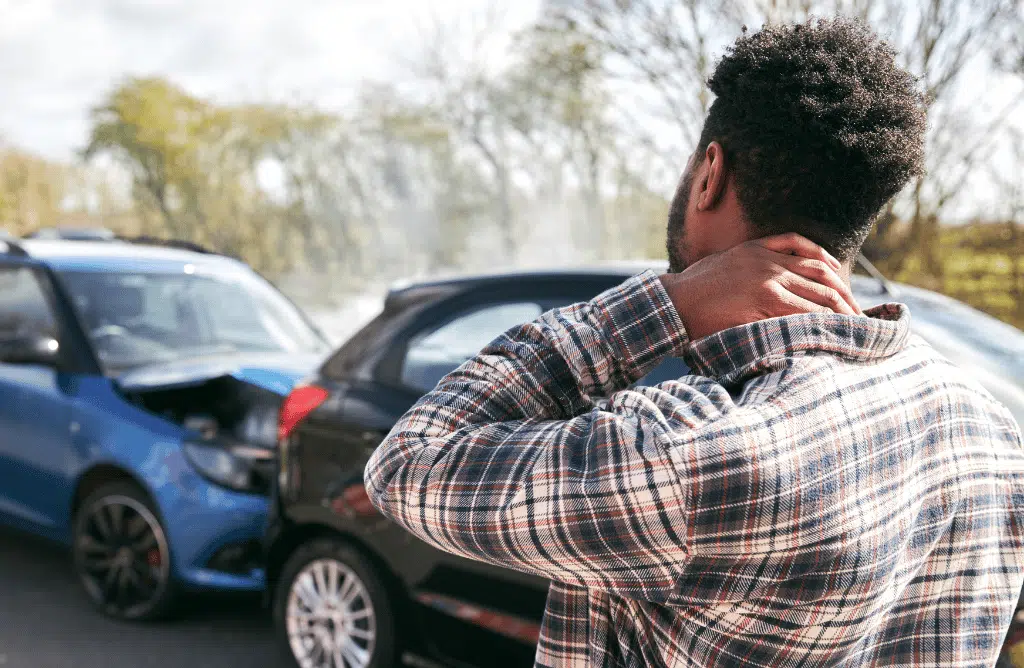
58,58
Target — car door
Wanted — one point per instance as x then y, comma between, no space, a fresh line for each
35,410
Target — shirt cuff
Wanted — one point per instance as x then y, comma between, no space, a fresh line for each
641,324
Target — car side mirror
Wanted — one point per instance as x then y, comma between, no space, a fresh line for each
40,350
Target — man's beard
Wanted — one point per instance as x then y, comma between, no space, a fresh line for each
676,235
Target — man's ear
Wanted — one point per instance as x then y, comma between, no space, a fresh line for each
712,178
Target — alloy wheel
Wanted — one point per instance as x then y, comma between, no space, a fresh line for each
330,619
122,557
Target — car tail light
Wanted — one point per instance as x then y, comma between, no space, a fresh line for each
302,401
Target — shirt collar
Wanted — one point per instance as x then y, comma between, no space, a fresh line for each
736,354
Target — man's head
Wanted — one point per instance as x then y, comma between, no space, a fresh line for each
813,129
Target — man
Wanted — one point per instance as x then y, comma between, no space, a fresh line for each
824,490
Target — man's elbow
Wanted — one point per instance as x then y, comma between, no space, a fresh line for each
380,470
393,472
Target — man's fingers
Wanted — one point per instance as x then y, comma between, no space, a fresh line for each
801,305
787,302
819,294
819,271
792,243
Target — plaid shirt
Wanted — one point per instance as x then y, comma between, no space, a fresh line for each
826,491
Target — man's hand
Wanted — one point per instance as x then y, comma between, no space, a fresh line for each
771,277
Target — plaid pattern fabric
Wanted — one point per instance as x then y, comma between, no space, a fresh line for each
824,491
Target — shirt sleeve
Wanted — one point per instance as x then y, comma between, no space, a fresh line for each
509,461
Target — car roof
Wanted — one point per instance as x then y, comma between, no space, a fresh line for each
625,268
119,256
405,292
413,290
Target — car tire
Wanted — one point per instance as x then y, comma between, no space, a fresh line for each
121,554
310,602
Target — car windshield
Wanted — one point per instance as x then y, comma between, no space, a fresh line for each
135,319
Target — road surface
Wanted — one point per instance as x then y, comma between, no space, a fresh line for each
46,622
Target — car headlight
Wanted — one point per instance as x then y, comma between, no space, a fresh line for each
259,426
239,467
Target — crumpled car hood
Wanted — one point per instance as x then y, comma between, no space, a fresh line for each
276,373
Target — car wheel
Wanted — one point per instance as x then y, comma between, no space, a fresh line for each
333,610
121,554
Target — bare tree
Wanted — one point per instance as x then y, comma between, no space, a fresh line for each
558,98
661,53
659,57
464,93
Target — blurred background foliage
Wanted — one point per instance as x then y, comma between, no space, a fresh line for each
567,151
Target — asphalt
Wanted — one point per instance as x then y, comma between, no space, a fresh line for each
46,622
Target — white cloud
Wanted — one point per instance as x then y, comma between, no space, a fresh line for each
59,57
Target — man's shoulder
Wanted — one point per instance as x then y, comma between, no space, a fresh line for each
954,380
917,377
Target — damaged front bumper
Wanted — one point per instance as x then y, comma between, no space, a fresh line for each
218,478
217,537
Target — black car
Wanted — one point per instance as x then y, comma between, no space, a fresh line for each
348,588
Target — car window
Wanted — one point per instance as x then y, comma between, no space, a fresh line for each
434,353
350,355
24,308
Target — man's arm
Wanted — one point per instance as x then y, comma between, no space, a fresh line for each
507,461
499,464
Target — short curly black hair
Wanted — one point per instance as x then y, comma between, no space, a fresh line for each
820,127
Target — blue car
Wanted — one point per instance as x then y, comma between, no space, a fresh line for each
140,389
